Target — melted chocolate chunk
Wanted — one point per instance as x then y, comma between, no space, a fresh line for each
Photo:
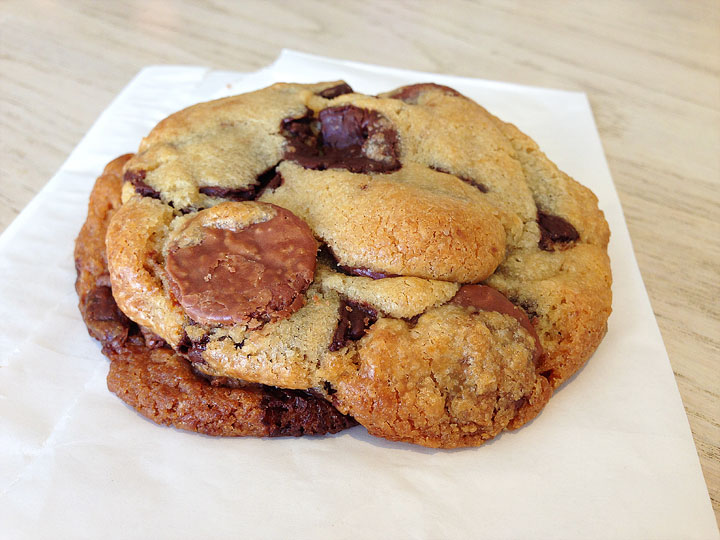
101,305
270,179
234,194
295,412
104,319
353,271
412,321
289,412
355,319
335,91
364,272
478,185
485,298
193,349
347,127
137,179
555,232
304,130
348,137
411,93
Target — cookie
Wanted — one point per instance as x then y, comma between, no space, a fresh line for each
409,256
162,385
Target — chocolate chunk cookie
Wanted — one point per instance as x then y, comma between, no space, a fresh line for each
416,261
162,385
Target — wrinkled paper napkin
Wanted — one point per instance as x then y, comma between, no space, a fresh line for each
611,456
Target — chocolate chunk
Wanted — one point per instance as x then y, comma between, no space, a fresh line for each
352,271
355,319
555,232
270,179
348,137
482,187
103,317
347,126
137,179
295,412
192,350
234,194
101,305
184,345
412,321
335,91
304,129
484,298
236,276
364,272
411,93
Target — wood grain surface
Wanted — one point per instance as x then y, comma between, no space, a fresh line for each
651,70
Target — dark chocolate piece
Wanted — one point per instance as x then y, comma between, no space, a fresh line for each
482,187
303,129
329,388
412,321
364,272
555,232
335,91
234,194
137,179
348,137
294,413
192,350
101,305
103,317
355,319
270,179
350,270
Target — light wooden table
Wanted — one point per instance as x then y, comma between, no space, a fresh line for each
650,68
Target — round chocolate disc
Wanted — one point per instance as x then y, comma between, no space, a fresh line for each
232,274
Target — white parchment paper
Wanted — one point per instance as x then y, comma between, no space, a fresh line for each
611,456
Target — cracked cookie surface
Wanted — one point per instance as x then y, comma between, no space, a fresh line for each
450,276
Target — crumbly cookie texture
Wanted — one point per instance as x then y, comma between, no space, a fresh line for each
151,377
410,257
